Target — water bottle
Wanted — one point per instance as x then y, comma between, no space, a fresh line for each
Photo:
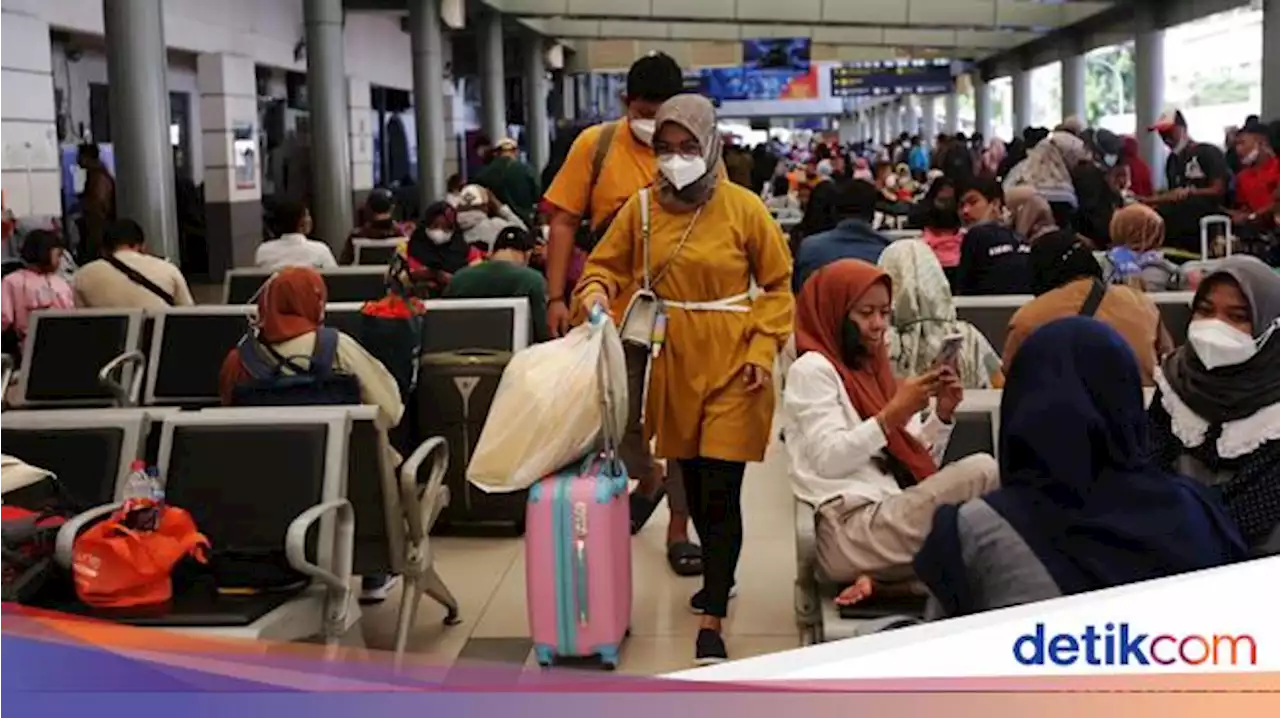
137,485
143,494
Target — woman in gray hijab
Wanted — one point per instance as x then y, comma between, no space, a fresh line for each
1216,415
692,244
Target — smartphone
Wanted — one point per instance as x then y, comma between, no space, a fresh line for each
950,351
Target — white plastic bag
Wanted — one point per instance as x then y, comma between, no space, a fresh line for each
549,407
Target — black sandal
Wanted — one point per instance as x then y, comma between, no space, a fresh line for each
685,558
642,507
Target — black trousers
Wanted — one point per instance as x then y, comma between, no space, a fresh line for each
714,493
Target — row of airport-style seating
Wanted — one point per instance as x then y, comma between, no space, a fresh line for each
332,503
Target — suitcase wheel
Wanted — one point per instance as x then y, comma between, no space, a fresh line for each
545,655
609,658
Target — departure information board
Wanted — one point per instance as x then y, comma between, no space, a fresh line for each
892,77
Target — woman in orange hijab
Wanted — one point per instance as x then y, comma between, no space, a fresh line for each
863,449
290,312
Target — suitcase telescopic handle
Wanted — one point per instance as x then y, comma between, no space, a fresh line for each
1207,223
609,431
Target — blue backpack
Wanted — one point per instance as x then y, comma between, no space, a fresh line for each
317,384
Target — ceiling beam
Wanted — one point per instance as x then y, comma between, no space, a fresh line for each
985,40
942,14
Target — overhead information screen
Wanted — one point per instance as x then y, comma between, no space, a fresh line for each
892,77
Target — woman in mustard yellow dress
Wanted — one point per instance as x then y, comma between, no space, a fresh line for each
709,403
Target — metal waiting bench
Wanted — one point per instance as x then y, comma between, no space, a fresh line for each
818,619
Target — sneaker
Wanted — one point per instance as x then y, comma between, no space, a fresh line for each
376,589
698,602
709,649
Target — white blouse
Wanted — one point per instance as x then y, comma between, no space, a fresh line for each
831,448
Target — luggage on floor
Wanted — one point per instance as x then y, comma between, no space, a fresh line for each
455,390
578,545
578,562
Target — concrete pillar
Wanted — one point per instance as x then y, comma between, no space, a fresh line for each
953,113
929,125
361,118
136,69
492,77
566,91
1021,101
535,89
883,129
32,179
1073,103
912,115
1149,86
1271,59
981,105
232,161
429,100
894,110
331,206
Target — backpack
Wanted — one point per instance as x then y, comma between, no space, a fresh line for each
317,384
36,505
392,333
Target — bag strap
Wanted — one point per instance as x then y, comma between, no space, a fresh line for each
644,235
652,281
1094,300
603,143
325,352
137,278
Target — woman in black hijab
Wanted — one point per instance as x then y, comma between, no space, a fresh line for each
437,250
1216,415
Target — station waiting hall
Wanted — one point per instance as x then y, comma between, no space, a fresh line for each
634,336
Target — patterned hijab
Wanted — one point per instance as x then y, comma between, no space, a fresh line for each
696,114
924,313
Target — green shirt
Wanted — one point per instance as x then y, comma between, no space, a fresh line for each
513,183
498,279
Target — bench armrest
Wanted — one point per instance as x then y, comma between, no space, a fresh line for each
6,373
295,545
420,509
125,396
808,606
64,548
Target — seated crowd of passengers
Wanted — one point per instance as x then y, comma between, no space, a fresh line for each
875,361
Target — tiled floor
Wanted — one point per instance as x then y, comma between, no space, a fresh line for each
487,577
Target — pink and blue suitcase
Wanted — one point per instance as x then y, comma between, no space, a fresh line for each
578,562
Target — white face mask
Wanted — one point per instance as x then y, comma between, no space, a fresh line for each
438,236
681,171
1181,145
891,181
1252,158
1219,344
643,129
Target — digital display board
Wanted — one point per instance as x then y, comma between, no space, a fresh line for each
789,54
892,77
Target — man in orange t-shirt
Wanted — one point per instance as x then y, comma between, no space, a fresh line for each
629,165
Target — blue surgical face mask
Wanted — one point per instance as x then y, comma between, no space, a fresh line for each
1110,160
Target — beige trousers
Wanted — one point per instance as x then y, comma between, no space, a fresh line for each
880,539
